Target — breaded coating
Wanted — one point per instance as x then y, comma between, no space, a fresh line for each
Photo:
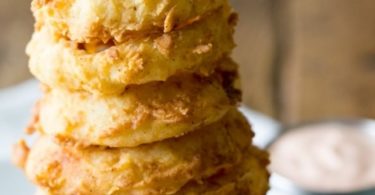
142,114
108,69
249,177
20,152
103,20
158,168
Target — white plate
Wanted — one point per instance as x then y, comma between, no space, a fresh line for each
13,181
15,108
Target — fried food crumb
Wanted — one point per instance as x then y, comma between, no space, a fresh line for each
201,49
164,44
20,153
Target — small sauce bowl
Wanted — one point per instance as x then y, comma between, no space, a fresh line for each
284,185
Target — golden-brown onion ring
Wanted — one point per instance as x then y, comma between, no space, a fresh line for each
158,168
102,20
197,48
142,114
250,177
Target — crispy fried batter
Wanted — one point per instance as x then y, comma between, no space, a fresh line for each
20,151
108,69
139,100
250,177
102,20
142,114
157,168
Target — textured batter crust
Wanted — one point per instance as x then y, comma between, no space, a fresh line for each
103,20
142,114
108,69
250,177
157,168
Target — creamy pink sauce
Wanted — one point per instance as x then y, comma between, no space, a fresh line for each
326,158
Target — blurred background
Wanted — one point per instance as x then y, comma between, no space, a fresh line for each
16,27
306,60
301,60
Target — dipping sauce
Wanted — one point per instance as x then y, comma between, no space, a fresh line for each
326,158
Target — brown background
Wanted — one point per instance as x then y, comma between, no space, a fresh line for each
301,60
15,30
329,67
305,60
